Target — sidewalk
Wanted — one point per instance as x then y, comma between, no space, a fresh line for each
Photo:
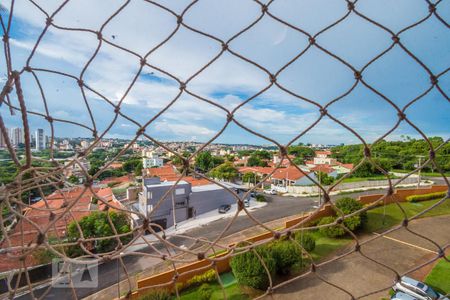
196,222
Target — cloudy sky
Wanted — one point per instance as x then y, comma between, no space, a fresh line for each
141,26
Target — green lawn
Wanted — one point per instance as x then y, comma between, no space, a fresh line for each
378,221
439,277
325,245
233,292
428,174
358,179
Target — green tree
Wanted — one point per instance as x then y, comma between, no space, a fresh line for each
204,161
250,177
286,254
96,225
307,241
301,153
225,171
325,178
348,206
333,230
256,161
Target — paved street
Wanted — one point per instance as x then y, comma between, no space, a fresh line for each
277,207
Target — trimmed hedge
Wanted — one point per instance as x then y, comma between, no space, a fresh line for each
424,197
157,294
207,277
205,292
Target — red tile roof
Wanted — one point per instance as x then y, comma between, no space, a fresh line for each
196,181
325,152
38,217
290,173
323,168
122,179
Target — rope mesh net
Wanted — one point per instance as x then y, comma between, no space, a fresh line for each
35,176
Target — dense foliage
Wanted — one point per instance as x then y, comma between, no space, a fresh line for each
390,155
96,224
205,161
225,171
333,230
307,241
286,254
424,197
249,271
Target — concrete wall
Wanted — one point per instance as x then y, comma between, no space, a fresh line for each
207,200
348,185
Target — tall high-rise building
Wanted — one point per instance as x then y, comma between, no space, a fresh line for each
3,139
40,139
16,136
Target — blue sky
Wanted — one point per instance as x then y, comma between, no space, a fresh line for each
229,81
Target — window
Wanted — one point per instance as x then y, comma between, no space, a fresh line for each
149,195
180,204
179,192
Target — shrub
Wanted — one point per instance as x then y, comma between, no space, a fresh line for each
158,294
286,254
307,241
249,271
349,205
424,197
331,231
260,198
205,292
207,277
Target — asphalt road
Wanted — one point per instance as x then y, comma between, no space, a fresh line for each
277,207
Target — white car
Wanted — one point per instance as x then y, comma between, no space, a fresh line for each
417,289
402,296
270,192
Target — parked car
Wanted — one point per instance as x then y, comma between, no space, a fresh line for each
270,192
247,202
253,194
417,289
224,208
402,296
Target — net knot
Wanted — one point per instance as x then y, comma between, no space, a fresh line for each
283,152
357,75
390,191
288,233
405,223
313,268
140,131
276,235
49,119
339,220
357,247
432,8
164,257
182,86
323,111
224,47
94,134
312,40
5,37
441,252
48,21
240,205
367,152
145,223
432,154
117,109
99,35
27,69
396,39
229,117
88,182
40,238
433,80
272,78
326,198
179,19
80,82
350,6
143,61
264,8
200,256
401,115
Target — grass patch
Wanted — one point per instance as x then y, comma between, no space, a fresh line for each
358,179
426,174
325,245
378,220
233,292
439,277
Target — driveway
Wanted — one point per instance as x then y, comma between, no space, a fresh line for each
359,276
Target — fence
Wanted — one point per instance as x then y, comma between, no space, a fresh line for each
26,79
